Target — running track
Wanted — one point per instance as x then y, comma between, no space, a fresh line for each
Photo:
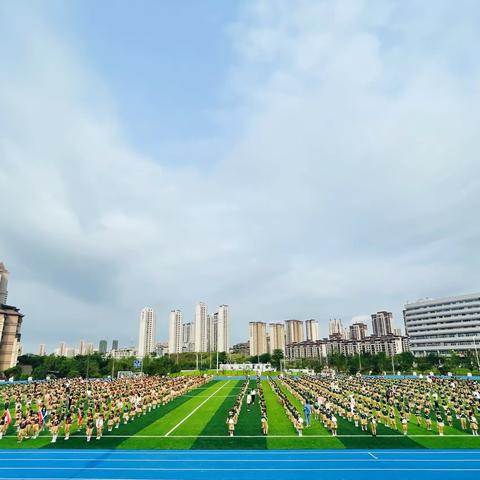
240,464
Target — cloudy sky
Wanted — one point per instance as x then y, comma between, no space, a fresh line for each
292,159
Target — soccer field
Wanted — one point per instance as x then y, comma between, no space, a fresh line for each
197,421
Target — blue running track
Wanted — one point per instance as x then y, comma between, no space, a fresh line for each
240,464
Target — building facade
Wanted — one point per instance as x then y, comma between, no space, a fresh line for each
258,338
294,331
41,350
114,344
201,326
277,337
175,331
188,337
335,327
10,334
102,347
146,337
223,327
389,344
358,331
311,330
3,284
382,323
443,325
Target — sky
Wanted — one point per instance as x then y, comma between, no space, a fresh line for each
307,159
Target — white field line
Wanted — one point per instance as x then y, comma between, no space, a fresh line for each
194,410
253,469
372,455
249,460
123,452
106,435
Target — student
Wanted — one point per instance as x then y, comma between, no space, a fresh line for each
231,425
404,423
68,425
89,429
333,423
54,425
474,425
22,429
299,425
99,425
373,425
264,424
440,423
249,401
253,393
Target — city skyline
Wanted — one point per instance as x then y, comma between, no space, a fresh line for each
319,163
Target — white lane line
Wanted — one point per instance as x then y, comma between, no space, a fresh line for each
105,469
248,460
194,410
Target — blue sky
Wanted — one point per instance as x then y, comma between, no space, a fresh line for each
309,159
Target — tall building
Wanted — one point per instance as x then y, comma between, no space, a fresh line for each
62,349
41,350
89,349
146,340
443,324
82,350
294,331
201,337
102,347
311,329
358,331
382,323
188,337
10,326
277,337
212,320
258,338
335,327
175,332
114,344
223,328
3,284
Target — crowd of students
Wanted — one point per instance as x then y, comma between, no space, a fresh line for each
263,407
292,413
234,412
366,402
90,406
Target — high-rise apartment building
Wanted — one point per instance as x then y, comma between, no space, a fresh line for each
335,327
212,320
62,349
223,329
175,332
201,327
294,331
82,350
358,331
10,326
3,284
311,329
41,350
277,337
114,344
102,347
146,340
443,324
258,338
382,323
188,337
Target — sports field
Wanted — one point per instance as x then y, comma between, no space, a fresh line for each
197,421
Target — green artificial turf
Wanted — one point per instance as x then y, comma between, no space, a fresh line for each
198,421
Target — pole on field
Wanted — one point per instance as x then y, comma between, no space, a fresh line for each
113,366
476,352
217,361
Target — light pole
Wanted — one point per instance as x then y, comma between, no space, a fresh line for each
113,366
